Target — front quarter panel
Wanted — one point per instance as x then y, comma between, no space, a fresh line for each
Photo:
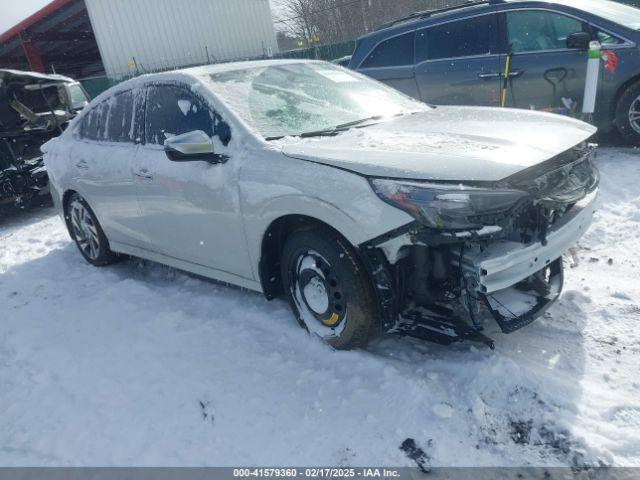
273,185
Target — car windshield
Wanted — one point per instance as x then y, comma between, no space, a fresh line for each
301,98
624,15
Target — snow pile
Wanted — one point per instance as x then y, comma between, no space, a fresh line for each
139,364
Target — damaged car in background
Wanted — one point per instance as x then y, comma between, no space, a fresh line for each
34,108
369,211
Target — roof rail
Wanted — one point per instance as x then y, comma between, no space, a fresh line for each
428,13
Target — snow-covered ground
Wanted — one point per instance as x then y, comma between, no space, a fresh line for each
139,364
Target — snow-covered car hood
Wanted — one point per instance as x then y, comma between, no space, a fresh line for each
447,143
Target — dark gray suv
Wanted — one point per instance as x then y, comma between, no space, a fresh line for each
457,56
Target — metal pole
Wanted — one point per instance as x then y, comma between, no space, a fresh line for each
364,15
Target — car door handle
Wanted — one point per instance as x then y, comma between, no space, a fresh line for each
489,75
144,174
82,165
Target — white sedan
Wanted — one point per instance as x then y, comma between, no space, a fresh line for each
370,211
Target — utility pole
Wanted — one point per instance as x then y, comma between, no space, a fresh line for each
365,22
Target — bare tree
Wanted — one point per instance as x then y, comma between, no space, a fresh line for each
298,17
333,21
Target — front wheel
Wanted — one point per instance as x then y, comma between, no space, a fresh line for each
628,114
328,288
87,232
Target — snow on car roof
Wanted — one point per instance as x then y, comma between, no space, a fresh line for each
197,78
195,73
227,67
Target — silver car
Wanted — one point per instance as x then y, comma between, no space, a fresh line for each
370,211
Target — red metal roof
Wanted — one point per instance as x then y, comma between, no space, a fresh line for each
35,18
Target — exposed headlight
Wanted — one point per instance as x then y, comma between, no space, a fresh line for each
446,206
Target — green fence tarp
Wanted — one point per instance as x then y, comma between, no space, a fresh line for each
324,52
95,86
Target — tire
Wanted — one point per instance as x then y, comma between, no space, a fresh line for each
86,232
329,289
627,123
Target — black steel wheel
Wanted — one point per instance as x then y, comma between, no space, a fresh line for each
328,288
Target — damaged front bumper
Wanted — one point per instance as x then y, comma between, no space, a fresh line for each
443,286
506,263
519,282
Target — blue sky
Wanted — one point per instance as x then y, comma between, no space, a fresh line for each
13,12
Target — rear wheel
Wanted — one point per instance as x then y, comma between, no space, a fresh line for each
329,289
628,114
87,233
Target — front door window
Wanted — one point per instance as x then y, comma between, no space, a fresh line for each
544,73
538,30
172,110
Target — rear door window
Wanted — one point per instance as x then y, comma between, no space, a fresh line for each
538,30
463,38
103,122
173,110
90,123
395,52
120,118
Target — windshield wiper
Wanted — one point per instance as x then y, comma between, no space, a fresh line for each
326,132
339,128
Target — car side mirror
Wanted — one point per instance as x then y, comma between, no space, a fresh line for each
193,146
579,41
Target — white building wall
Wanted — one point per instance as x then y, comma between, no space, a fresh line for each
165,34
